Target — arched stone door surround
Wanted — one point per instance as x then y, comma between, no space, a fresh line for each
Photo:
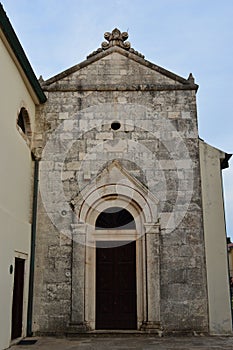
117,189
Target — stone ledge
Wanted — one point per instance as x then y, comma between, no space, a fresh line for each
118,87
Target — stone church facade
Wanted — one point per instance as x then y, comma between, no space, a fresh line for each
122,236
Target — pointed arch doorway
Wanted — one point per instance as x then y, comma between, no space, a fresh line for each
116,302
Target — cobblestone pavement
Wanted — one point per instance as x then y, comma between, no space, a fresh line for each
130,342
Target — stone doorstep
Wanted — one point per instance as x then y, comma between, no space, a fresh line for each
150,329
97,334
83,330
81,333
113,333
106,334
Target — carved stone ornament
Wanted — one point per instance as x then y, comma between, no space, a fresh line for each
116,38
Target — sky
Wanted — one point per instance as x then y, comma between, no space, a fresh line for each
182,36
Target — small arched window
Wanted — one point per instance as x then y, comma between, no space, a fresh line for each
115,218
24,125
21,123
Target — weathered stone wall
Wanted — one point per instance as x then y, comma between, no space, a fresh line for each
157,143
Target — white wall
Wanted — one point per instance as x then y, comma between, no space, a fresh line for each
15,186
215,241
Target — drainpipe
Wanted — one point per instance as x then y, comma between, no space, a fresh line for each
33,245
146,268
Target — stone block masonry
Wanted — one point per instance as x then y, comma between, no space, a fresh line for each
157,143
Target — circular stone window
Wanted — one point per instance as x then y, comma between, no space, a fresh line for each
115,125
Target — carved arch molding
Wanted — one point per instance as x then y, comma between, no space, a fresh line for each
142,205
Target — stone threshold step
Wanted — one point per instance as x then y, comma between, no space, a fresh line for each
109,333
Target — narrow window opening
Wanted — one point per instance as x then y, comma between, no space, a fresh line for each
21,123
24,125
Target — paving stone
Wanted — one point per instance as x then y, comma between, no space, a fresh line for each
130,342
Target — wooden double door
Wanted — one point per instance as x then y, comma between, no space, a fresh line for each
116,303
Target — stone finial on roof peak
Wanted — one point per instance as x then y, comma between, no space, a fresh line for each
191,78
115,38
41,80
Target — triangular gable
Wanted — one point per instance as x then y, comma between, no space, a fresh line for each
115,173
119,65
116,180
